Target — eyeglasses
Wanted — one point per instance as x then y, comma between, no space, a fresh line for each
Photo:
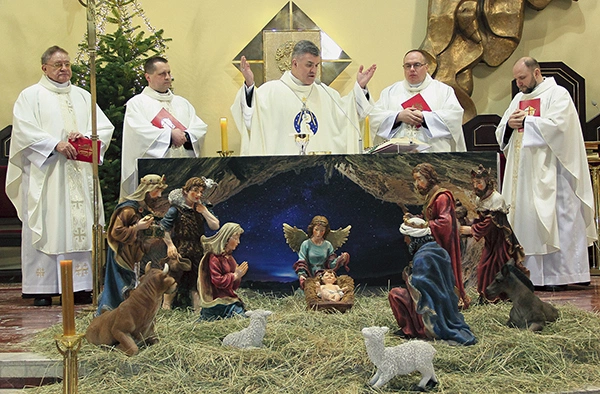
416,66
60,65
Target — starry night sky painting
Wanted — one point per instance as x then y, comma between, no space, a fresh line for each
368,192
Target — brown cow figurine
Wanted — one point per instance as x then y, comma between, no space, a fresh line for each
528,311
132,322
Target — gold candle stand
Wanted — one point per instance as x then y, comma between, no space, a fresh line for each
226,153
69,346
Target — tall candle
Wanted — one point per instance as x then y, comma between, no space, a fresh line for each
224,140
367,133
68,306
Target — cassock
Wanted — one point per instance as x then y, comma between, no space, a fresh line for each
548,187
281,108
443,124
143,139
53,195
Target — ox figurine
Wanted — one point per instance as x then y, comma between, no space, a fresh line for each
133,320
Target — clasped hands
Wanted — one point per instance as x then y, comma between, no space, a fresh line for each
178,137
240,270
410,116
65,148
516,120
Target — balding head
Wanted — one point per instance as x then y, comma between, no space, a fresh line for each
527,74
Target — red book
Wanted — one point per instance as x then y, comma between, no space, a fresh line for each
84,149
164,119
418,102
532,107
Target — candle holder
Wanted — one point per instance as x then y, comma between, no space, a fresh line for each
68,346
225,153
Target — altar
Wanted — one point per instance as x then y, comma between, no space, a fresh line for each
368,192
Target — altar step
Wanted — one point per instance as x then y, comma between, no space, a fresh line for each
24,369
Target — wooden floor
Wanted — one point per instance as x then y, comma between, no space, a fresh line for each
20,320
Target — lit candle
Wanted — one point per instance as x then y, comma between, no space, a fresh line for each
68,306
224,141
367,133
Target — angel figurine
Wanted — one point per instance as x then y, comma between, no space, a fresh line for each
316,248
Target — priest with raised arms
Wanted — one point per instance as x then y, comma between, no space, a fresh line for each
547,182
435,118
268,117
158,124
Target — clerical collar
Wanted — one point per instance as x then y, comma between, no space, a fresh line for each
297,81
168,96
54,86
420,87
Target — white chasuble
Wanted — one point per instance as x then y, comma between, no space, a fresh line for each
281,108
143,139
548,187
53,195
443,129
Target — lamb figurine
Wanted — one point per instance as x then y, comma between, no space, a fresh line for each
251,336
403,359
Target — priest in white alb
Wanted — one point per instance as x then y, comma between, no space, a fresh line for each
434,117
158,124
51,191
547,182
270,116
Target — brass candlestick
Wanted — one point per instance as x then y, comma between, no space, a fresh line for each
68,346
226,153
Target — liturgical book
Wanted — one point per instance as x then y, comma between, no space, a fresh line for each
164,119
84,149
418,102
400,145
532,107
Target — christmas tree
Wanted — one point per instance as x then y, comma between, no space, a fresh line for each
120,57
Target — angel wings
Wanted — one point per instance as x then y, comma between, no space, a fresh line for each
295,236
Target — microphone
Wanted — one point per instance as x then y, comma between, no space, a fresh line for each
360,140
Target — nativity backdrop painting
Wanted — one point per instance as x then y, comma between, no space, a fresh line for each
370,193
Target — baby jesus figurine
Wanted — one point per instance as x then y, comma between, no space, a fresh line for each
329,290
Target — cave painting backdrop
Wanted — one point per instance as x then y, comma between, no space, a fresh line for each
368,192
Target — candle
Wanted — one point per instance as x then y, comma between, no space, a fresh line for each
224,141
367,133
68,306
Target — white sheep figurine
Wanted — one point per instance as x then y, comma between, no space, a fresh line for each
399,360
251,336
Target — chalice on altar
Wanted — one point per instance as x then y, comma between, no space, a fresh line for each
302,141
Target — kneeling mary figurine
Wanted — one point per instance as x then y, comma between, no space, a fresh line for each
220,275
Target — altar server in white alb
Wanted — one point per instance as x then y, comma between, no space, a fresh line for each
268,117
434,117
547,181
158,124
51,191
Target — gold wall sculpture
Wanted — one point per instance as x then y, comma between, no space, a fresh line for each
462,33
